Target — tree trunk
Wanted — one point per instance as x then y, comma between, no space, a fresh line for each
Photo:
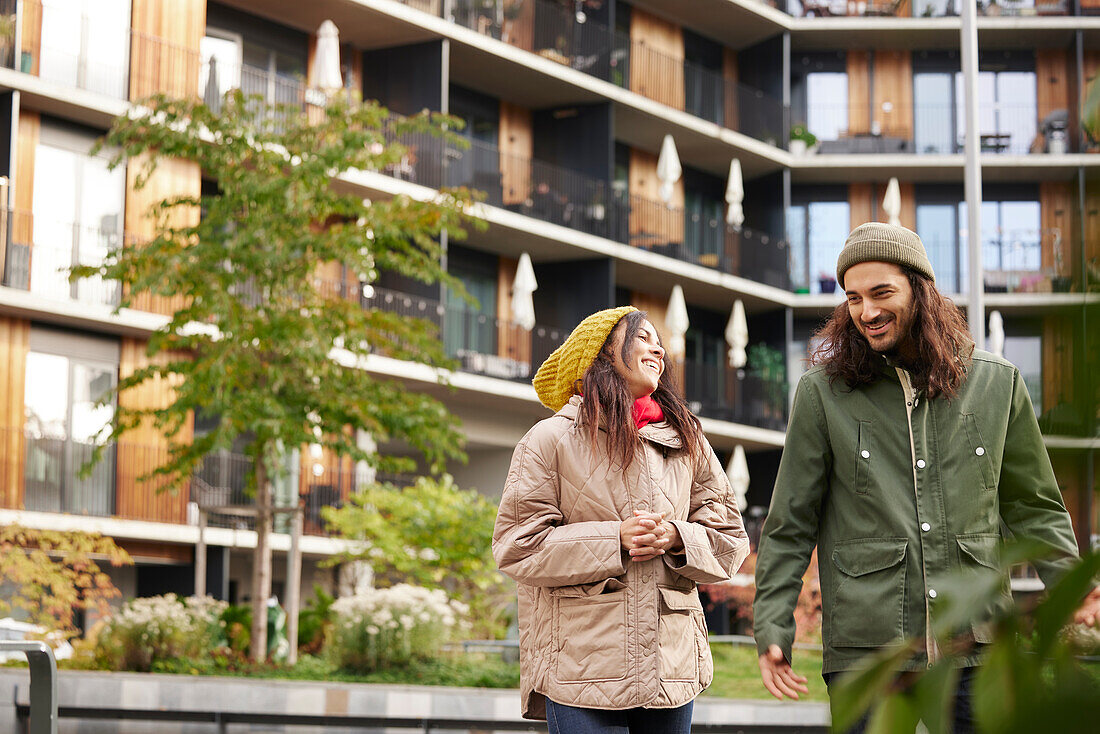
261,561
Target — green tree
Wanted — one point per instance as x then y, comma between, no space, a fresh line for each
261,346
432,534
50,574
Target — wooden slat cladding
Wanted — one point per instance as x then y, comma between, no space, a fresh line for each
517,145
147,552
31,40
859,204
1092,231
865,203
520,30
1058,387
893,93
164,47
1056,205
657,59
145,448
14,346
652,224
23,224
172,178
859,92
731,76
513,341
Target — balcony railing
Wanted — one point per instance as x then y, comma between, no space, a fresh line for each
553,30
921,8
716,391
1014,261
1004,127
561,196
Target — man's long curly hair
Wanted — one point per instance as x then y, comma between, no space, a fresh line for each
939,331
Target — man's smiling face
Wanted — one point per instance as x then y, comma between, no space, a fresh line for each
880,301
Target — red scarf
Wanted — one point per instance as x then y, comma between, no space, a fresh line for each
646,410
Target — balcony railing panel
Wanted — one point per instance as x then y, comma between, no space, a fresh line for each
716,391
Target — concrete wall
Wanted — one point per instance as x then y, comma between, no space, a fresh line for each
200,693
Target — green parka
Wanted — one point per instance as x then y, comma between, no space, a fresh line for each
899,492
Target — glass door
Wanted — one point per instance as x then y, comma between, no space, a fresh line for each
85,44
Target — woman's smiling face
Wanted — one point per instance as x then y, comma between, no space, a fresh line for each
644,361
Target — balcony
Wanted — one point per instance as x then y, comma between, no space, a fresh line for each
1005,128
560,196
923,8
1015,261
721,392
553,31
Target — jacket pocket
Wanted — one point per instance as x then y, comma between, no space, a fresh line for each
607,586
979,452
868,607
978,555
590,637
864,453
678,634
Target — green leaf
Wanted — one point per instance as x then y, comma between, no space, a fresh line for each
856,692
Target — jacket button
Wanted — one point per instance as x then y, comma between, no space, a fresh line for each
931,593
925,527
865,454
979,451
920,463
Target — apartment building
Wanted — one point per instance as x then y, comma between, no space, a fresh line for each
566,105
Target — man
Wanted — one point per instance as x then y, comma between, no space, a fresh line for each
906,449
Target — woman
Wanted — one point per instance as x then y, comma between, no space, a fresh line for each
613,510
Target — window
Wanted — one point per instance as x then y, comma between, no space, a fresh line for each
703,80
1007,106
67,375
77,216
1011,236
260,57
466,328
818,222
86,44
819,94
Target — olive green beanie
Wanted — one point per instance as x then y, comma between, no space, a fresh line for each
889,243
555,380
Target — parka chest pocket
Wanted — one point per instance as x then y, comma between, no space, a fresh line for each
865,453
868,607
590,632
979,452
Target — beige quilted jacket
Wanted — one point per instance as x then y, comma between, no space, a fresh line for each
595,629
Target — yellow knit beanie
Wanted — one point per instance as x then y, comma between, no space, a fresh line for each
555,379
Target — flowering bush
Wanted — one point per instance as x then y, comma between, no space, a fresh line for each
153,630
381,628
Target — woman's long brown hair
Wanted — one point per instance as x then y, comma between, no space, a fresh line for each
939,332
607,396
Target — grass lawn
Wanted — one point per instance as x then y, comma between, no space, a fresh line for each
737,674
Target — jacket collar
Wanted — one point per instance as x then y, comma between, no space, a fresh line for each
660,433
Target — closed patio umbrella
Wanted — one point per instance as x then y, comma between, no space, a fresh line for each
523,304
737,335
676,321
738,474
668,169
891,203
325,73
211,95
735,194
996,333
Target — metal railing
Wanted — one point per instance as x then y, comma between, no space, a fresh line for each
717,391
919,8
554,31
1014,261
565,197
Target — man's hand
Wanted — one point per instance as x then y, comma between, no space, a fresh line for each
645,536
778,676
1089,611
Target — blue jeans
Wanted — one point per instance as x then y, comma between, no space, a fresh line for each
962,705
564,719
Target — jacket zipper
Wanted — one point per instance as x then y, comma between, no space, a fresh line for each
910,401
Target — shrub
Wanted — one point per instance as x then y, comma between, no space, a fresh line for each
157,629
391,627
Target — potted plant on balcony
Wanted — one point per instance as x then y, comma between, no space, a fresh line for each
827,282
802,140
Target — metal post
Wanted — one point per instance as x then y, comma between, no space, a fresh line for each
43,684
973,172
294,585
200,556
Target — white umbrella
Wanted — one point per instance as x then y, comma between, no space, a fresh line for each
523,305
668,168
738,474
735,194
676,321
737,335
325,73
891,204
996,333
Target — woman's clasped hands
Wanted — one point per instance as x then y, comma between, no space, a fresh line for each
648,535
